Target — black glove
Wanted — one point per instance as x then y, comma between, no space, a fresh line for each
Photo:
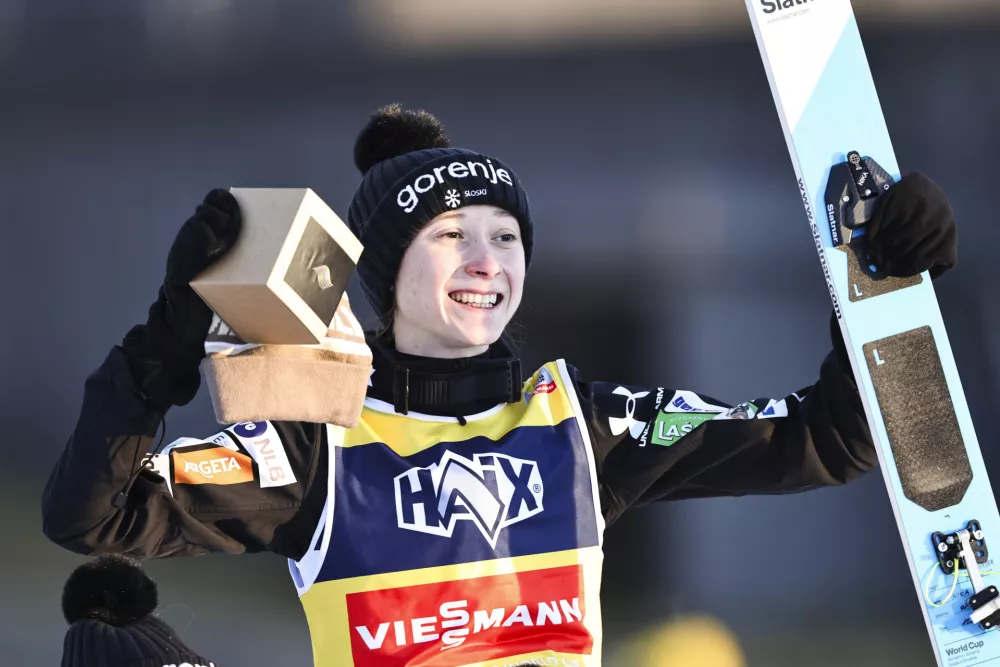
165,353
913,229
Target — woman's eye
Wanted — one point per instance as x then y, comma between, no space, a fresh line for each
507,238
452,235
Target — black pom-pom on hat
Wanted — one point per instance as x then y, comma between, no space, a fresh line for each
109,604
393,131
112,589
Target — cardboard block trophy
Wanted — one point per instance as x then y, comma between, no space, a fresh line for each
284,344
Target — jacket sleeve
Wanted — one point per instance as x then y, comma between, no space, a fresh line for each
655,444
250,488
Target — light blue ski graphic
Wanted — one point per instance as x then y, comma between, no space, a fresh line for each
899,348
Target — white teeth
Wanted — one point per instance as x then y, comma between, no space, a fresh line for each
476,300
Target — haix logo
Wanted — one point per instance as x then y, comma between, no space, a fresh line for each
409,196
772,6
492,491
619,424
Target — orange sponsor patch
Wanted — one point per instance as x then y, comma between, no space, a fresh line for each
213,465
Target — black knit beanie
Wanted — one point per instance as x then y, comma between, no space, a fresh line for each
411,174
108,603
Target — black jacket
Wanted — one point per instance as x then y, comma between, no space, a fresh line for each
822,439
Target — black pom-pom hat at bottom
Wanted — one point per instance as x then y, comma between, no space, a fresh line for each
108,603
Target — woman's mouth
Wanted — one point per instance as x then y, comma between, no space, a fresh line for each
476,299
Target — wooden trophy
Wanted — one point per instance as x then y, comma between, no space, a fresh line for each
282,281
284,344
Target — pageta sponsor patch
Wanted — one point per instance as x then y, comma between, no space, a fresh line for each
210,464
460,622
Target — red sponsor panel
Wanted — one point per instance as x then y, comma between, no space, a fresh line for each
458,622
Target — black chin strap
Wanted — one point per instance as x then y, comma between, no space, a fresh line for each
488,381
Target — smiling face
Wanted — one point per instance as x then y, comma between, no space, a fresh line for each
459,283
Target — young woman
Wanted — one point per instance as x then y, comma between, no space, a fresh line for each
461,521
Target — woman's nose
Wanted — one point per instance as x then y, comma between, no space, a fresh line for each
483,265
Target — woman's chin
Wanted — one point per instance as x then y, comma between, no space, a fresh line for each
476,337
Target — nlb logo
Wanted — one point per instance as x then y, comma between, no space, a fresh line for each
492,490
211,465
468,621
264,445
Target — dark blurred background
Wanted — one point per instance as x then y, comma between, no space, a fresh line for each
671,250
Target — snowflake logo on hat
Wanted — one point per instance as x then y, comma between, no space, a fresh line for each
452,198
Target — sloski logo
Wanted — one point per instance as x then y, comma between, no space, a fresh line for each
452,199
492,490
628,423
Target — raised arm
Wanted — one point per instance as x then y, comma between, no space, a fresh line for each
100,497
656,444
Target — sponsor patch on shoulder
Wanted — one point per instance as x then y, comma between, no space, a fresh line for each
262,442
774,409
669,427
210,464
742,411
688,401
544,383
